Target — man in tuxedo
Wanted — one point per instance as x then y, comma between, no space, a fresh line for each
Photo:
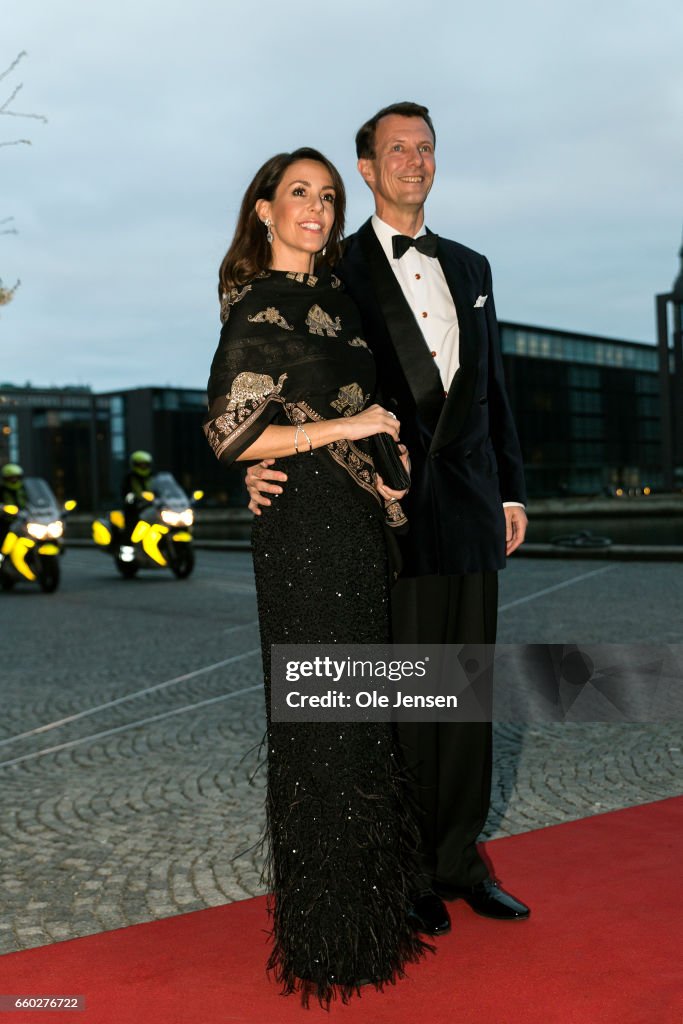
429,318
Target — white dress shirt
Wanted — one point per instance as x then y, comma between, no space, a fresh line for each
424,285
427,293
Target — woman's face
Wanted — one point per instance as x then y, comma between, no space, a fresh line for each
301,215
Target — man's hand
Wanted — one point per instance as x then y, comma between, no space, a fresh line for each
515,527
258,486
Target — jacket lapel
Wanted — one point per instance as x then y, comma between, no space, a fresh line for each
461,392
418,367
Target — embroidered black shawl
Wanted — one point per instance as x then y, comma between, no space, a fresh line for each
291,352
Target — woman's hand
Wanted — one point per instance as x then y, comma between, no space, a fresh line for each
373,420
386,492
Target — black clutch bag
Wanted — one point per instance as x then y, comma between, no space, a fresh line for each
386,456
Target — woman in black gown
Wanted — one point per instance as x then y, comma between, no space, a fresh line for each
293,379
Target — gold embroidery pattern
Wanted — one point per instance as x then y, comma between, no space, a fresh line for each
253,387
319,322
271,315
248,395
295,414
310,280
230,298
394,514
350,400
357,464
358,343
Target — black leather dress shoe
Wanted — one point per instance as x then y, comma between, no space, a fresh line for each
428,914
488,899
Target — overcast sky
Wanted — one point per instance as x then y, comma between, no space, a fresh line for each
559,155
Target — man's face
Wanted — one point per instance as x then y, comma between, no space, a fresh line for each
402,171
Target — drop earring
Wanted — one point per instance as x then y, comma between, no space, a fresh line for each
323,250
269,233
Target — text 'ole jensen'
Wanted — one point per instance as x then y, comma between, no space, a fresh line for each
369,699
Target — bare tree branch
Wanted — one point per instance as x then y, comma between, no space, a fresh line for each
6,294
12,66
16,113
4,107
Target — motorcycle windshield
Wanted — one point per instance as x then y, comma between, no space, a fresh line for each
40,498
168,491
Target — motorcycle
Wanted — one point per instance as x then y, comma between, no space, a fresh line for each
34,541
158,533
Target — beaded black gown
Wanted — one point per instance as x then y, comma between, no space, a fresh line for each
340,844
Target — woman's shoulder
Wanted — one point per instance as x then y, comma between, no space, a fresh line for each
236,293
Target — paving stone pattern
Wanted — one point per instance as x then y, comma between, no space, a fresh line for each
106,823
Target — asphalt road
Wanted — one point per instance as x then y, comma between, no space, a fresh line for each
133,712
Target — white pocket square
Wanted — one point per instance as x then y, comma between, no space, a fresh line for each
480,301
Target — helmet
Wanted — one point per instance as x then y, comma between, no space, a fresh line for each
141,463
12,476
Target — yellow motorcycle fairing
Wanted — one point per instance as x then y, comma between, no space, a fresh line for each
117,518
9,542
19,549
48,549
150,536
100,534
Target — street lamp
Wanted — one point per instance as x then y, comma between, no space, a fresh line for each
671,384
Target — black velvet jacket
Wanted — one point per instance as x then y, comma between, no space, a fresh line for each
464,449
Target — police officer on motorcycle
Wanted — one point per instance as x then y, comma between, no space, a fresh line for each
134,483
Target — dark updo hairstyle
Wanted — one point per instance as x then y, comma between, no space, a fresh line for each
250,253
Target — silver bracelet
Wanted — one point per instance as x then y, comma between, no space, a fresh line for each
300,427
310,443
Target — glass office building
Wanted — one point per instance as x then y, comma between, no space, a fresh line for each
80,442
62,434
587,411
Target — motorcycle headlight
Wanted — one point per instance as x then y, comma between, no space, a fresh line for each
170,518
37,531
187,517
55,529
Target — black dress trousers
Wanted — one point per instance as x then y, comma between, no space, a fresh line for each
449,763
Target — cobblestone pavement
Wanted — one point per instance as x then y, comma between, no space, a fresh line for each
152,804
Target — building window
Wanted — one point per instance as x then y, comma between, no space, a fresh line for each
584,377
9,438
585,401
588,426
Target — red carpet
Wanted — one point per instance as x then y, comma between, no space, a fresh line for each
604,946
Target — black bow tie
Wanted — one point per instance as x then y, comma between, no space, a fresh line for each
426,244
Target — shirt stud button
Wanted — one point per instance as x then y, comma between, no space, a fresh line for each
434,354
418,277
425,314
